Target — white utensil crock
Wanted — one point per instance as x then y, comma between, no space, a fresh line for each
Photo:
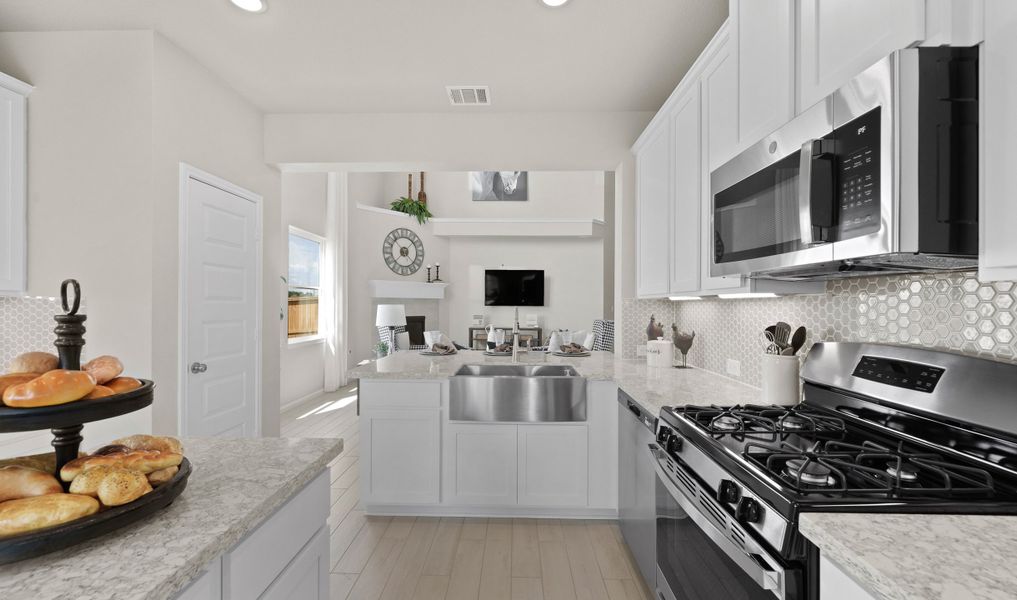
659,353
780,379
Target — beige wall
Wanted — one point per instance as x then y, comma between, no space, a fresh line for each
469,140
197,119
302,365
89,151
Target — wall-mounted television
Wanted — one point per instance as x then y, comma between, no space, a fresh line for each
513,287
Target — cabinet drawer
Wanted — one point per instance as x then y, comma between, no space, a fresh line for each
259,558
306,577
399,394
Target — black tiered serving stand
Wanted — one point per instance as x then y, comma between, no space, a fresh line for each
66,422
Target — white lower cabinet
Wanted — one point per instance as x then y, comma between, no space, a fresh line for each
402,456
285,558
835,584
553,463
480,464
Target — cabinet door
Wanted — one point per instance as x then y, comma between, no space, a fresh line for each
764,38
480,464
719,93
553,462
206,587
838,40
653,199
685,202
306,578
401,456
834,584
997,131
13,222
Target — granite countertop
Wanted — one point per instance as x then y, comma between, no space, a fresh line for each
651,387
920,557
234,486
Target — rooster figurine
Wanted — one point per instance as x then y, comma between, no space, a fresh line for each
654,331
683,342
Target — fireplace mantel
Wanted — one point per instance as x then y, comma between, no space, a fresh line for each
383,288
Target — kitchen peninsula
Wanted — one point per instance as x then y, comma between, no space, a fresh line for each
220,539
417,459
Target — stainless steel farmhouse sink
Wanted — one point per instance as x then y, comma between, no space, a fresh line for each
517,393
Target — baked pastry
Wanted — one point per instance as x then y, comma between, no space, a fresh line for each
162,475
104,368
7,381
38,512
121,486
87,483
45,462
143,461
100,391
24,482
54,387
123,384
34,362
151,442
110,449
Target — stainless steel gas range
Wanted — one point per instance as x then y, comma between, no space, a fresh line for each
880,429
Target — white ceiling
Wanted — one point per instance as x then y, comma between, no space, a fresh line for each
313,56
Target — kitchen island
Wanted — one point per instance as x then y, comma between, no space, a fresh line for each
249,523
418,459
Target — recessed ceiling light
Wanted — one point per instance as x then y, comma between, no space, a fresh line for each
254,6
554,3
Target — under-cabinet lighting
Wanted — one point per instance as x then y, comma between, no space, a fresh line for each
254,6
747,295
683,298
553,3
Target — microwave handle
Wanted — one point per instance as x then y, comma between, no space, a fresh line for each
815,193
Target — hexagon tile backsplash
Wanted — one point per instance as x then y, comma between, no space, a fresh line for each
26,324
949,311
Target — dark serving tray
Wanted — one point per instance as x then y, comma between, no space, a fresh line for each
44,541
75,413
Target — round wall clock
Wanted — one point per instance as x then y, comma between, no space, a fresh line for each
403,251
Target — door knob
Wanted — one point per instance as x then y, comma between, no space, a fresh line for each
197,367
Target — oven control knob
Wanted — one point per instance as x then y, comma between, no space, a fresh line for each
673,444
728,492
748,511
662,435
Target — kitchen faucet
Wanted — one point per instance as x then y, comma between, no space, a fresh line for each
515,338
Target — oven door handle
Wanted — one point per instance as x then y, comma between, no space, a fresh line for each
753,559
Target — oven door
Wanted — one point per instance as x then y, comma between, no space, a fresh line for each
698,557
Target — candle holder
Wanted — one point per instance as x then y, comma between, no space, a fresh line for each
429,274
437,273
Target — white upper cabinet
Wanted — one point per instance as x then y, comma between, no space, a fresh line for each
998,210
840,39
653,214
763,36
685,203
13,185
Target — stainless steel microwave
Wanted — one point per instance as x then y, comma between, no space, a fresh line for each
879,177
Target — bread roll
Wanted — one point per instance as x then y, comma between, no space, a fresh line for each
55,387
23,482
29,514
45,462
87,482
151,442
34,362
104,368
162,475
110,449
143,461
121,486
100,391
7,381
123,384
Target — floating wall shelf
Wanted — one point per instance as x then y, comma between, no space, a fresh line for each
383,288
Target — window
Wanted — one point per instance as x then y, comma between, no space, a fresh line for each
306,250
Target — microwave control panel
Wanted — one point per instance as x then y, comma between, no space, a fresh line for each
857,144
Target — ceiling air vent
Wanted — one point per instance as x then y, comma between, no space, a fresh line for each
473,95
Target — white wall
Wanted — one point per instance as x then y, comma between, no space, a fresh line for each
367,231
302,365
199,120
624,241
468,140
573,286
552,195
89,151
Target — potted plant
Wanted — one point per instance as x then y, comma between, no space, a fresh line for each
381,349
412,207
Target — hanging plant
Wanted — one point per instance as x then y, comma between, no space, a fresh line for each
412,207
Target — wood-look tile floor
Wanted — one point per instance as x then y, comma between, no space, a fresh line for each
431,558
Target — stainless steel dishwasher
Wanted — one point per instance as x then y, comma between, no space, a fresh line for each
637,511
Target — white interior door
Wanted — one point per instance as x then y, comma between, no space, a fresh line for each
221,308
